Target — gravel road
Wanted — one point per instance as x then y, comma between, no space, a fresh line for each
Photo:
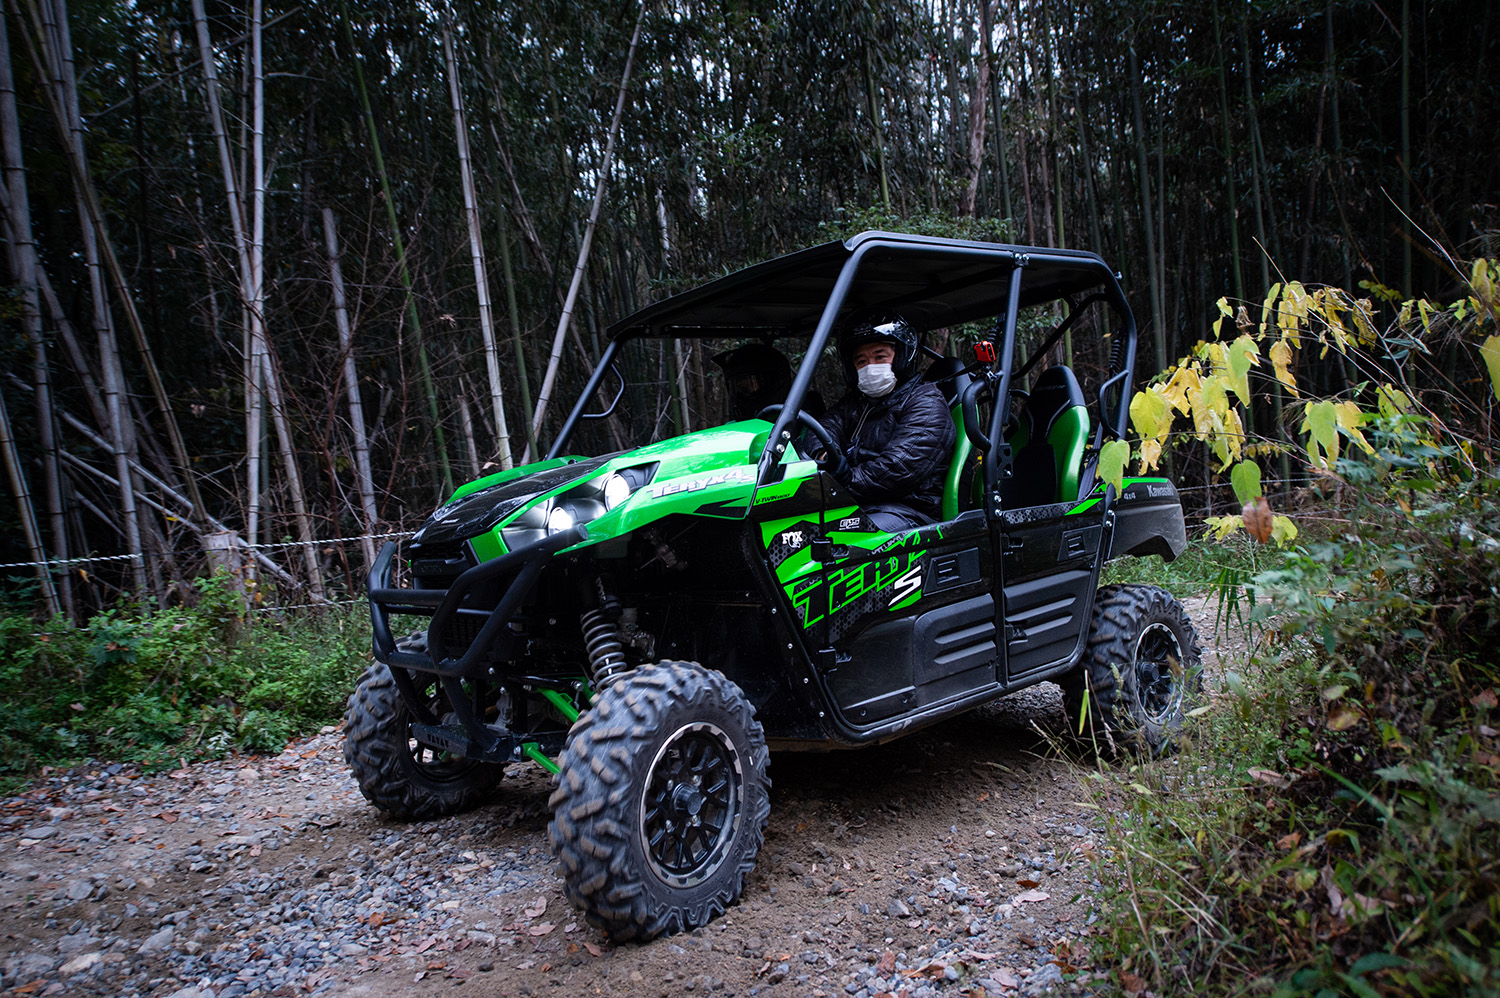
954,862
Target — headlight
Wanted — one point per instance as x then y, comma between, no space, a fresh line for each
560,519
616,490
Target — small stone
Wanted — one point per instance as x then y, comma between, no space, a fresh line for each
75,942
247,775
40,832
158,941
1044,979
81,963
898,909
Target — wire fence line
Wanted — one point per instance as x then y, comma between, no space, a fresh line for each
247,546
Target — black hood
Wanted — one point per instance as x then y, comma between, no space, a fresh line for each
478,513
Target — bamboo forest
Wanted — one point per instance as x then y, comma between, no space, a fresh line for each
279,278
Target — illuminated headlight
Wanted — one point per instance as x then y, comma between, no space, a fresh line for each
616,490
560,519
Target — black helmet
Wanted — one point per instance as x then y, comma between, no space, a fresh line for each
892,329
757,375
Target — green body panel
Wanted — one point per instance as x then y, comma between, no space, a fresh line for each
510,474
707,473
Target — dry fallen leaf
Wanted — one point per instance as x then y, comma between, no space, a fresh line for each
1132,984
1289,841
1028,884
593,949
540,930
886,964
1269,776
1256,515
1031,896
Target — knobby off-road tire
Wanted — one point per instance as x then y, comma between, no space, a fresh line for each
661,802
1142,671
396,772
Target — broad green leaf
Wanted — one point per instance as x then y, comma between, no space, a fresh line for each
1243,354
1112,458
1490,351
1320,423
1246,481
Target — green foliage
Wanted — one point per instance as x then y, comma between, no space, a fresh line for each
1334,827
157,686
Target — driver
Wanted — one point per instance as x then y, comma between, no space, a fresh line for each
759,375
894,428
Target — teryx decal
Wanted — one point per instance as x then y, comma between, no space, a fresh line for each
863,587
735,476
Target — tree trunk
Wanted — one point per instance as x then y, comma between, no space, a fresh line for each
476,252
987,27
967,203
1233,212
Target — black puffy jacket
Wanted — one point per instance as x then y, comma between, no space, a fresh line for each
898,447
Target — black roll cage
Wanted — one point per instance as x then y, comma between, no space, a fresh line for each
657,319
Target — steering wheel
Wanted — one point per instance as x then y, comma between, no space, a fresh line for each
833,462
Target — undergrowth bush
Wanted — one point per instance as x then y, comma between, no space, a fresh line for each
159,685
1333,828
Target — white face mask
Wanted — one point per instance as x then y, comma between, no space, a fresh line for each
876,380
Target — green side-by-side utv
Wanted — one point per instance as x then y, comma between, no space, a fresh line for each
647,623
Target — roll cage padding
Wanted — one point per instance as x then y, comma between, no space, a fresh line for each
1049,443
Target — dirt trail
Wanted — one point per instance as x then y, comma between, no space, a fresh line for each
951,861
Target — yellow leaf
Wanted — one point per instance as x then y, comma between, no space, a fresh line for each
1150,454
1223,526
1150,414
1183,380
1392,401
1268,305
1281,362
1283,530
1234,437
1349,417
1490,351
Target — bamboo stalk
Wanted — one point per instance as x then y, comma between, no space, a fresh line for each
19,489
476,252
23,265
1158,320
424,368
545,395
351,385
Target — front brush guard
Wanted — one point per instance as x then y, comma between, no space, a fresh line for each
443,606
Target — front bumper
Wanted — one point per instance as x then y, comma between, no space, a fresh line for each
447,606
470,737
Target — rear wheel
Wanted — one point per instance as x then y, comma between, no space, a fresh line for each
1141,672
395,771
661,802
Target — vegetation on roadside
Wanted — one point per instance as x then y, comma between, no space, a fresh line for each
156,686
1332,824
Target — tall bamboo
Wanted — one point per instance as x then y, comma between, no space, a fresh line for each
19,489
351,386
413,319
22,253
476,253
1158,319
545,395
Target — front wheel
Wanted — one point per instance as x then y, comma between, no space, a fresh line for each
1141,673
396,772
661,801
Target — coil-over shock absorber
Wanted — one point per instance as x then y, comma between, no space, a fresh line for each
601,636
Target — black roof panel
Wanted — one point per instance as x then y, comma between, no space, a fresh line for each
932,282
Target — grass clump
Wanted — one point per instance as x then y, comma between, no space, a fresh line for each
1333,827
156,686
